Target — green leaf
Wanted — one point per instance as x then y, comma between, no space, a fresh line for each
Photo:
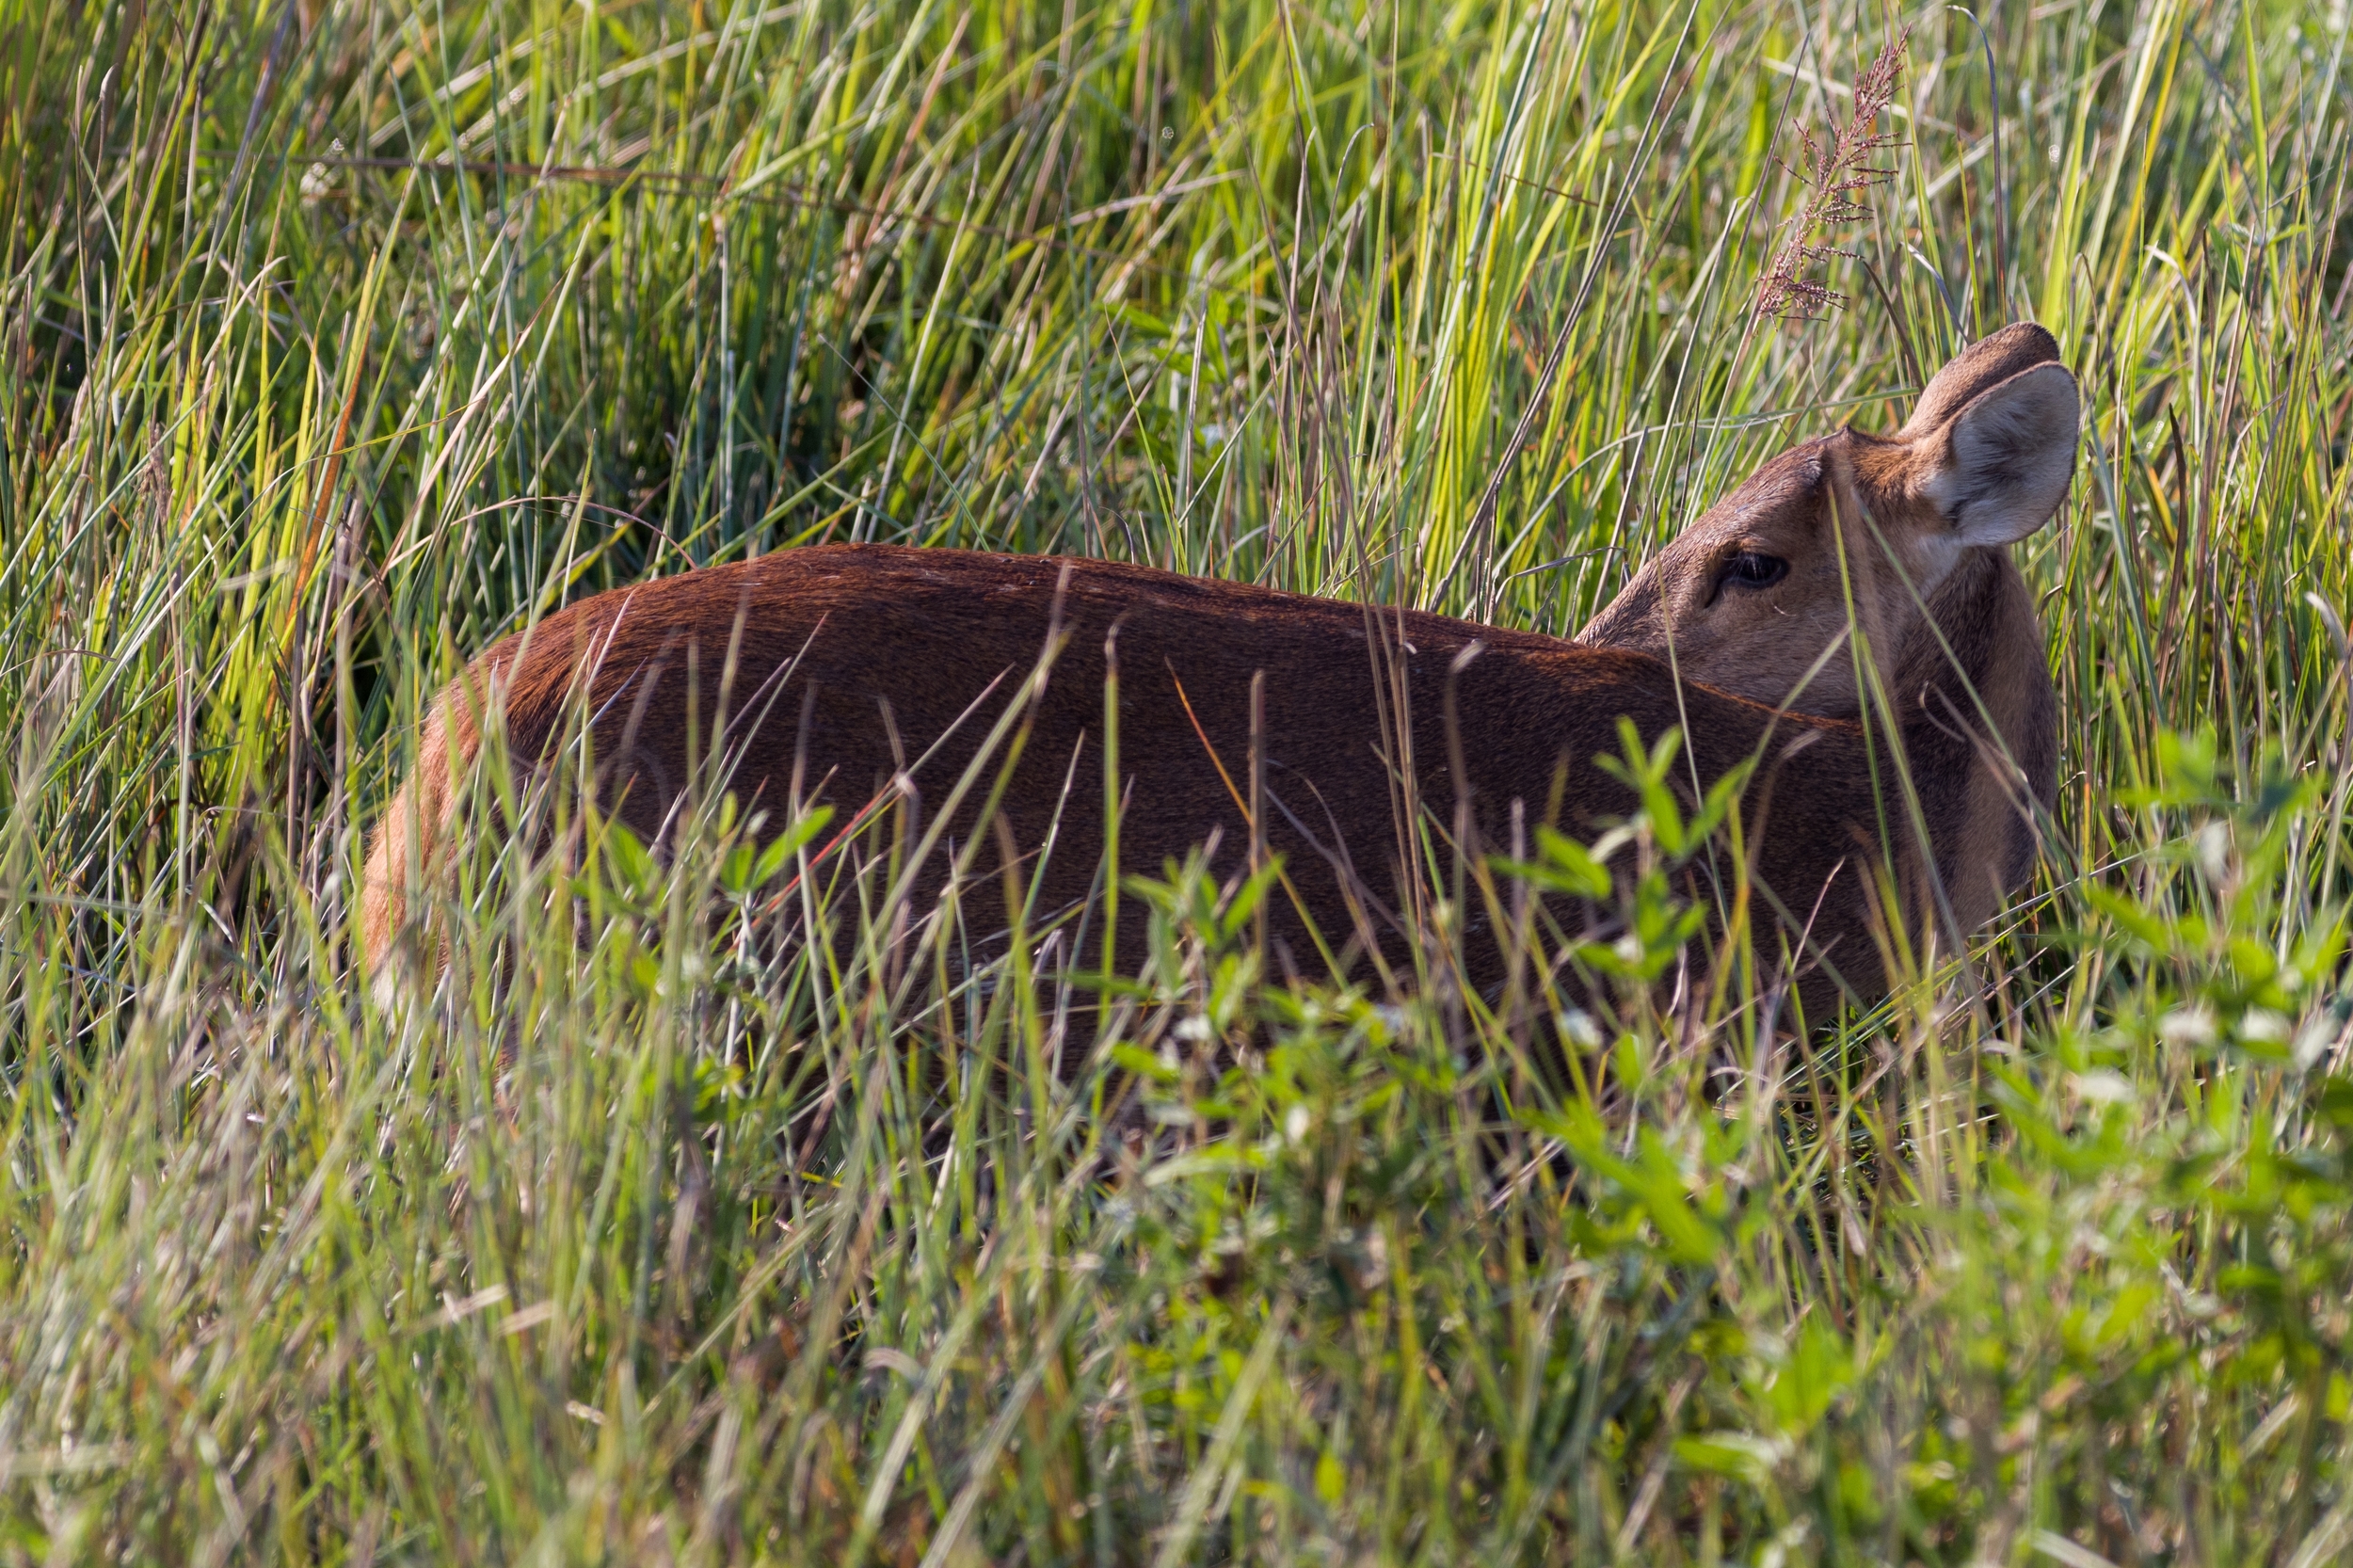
788,844
1248,897
1331,1480
2138,923
1645,774
634,871
1739,1455
1721,794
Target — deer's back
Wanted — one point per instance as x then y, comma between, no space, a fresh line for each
866,663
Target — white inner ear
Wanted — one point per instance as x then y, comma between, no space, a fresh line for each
2009,456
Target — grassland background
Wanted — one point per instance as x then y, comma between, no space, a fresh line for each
337,339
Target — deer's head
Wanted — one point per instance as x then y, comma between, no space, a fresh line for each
1855,534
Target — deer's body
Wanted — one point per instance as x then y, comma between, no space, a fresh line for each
857,670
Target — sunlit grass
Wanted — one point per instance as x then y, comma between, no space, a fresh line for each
337,341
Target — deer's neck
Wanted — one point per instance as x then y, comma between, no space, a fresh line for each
1980,731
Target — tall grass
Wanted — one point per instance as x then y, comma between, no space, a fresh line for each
341,339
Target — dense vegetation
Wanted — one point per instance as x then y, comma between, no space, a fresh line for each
337,338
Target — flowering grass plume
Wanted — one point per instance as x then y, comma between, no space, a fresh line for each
1834,177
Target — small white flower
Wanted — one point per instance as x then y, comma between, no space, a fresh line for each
2103,1087
2188,1025
2212,845
2263,1024
2313,1039
1578,1026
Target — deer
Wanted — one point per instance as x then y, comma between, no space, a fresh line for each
1847,616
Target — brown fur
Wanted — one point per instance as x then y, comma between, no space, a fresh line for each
853,662
1892,540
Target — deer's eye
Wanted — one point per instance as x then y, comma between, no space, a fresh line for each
1753,568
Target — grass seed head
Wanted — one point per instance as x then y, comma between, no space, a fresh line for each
1835,176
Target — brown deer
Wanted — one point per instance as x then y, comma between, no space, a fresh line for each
1849,616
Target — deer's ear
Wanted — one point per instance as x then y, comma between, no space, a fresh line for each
1984,364
2002,467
